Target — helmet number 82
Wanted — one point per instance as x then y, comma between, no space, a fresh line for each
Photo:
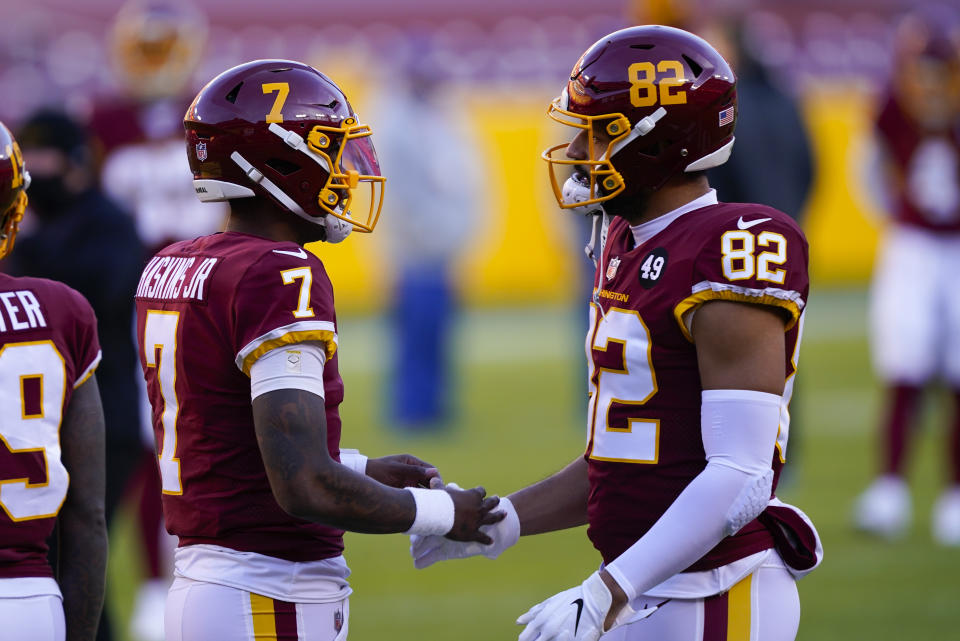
644,86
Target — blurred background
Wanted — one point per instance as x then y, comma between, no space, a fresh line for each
474,268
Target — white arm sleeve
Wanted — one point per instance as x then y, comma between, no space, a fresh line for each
298,366
739,430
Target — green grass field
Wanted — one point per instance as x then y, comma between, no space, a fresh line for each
519,379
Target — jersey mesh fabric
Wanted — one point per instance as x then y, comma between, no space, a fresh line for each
245,308
71,326
671,274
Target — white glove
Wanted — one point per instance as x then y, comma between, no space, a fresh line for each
427,550
576,614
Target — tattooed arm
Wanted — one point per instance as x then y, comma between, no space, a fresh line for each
83,529
291,429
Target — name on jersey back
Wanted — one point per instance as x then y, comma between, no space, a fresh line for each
20,310
176,278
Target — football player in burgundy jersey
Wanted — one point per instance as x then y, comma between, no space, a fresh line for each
154,50
695,320
238,339
51,444
914,312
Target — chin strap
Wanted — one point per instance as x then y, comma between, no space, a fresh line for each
598,235
642,128
589,248
336,229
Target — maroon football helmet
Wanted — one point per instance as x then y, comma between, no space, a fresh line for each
663,97
283,130
926,67
155,46
14,181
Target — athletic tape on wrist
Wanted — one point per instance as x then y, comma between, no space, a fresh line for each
435,511
354,460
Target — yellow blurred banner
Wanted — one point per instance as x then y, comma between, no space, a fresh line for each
841,221
525,250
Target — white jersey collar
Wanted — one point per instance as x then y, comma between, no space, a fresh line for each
645,231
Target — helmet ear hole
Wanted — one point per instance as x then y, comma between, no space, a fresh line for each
282,167
652,150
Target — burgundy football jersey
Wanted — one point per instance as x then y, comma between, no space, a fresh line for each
207,309
644,443
48,347
927,169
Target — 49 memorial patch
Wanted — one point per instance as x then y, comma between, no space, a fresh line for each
652,267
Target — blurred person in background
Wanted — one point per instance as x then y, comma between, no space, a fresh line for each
769,121
434,200
915,310
771,127
82,238
696,320
154,47
51,442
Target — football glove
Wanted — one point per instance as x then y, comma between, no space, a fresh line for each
427,550
576,614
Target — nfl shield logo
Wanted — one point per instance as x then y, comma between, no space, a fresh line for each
612,267
201,151
337,620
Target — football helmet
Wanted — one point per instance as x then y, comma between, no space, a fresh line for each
14,181
926,69
664,99
156,45
283,130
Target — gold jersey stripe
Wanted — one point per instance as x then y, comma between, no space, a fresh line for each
695,300
91,369
264,618
291,338
739,610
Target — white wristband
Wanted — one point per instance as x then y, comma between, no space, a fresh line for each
435,511
354,460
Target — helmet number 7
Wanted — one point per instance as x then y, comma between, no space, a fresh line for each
282,89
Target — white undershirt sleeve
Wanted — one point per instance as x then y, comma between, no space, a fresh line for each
298,366
739,430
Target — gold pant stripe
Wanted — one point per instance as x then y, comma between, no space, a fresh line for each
738,610
264,618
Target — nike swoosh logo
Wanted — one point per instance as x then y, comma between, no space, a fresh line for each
742,224
297,254
579,604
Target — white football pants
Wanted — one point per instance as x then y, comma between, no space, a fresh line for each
764,606
199,611
33,618
914,307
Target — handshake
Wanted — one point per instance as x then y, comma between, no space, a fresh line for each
451,523
477,530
